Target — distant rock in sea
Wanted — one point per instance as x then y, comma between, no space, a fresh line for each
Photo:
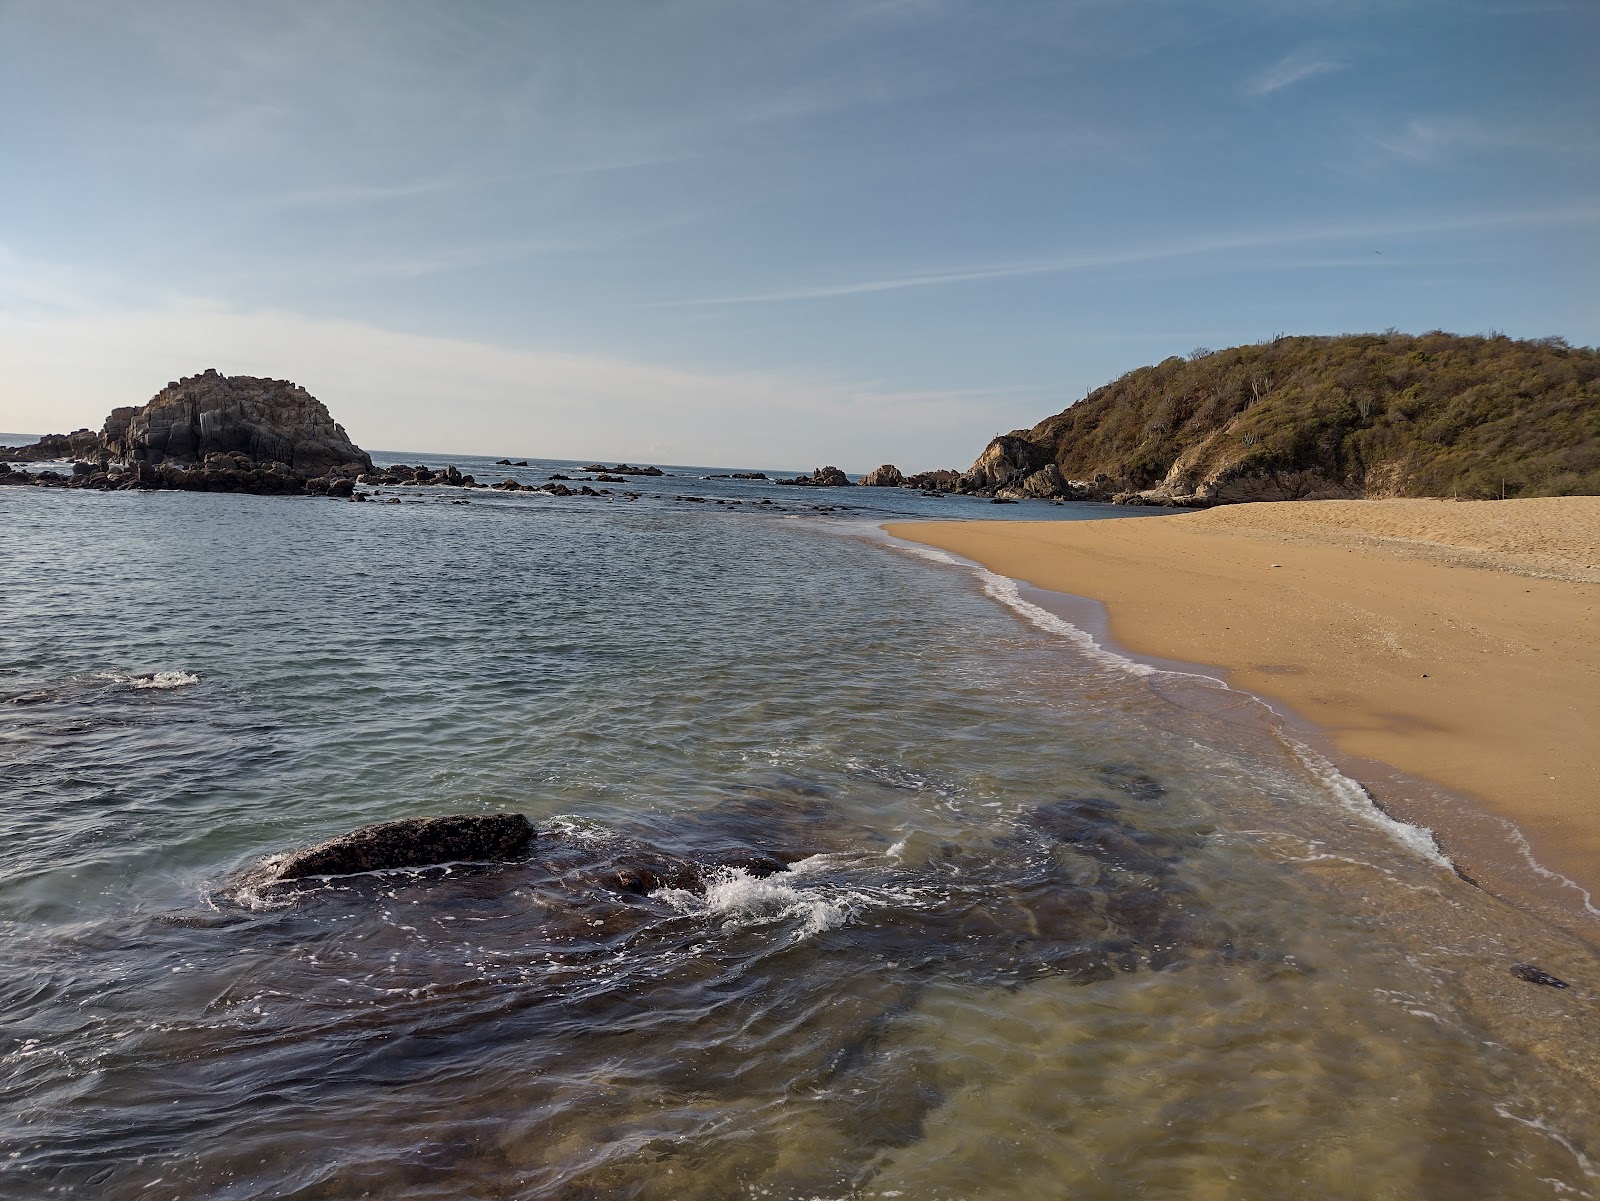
206,433
268,421
822,477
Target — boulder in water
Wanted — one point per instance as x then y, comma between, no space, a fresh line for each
412,842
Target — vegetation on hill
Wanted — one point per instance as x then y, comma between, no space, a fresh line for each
1356,415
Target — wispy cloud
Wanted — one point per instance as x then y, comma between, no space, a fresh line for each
1292,69
1435,140
1153,254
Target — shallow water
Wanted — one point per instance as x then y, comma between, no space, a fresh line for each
1049,924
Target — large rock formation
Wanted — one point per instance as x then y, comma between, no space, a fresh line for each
1309,418
207,433
887,476
268,421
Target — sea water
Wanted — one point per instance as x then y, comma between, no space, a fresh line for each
1051,923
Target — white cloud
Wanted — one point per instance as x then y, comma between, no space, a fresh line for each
1171,251
1290,70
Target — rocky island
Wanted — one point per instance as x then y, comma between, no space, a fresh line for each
206,433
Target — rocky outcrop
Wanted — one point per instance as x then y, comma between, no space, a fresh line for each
270,422
1007,460
621,469
822,477
401,473
80,444
945,479
887,476
207,433
411,842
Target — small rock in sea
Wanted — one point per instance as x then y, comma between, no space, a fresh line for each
1526,971
1002,500
412,842
520,463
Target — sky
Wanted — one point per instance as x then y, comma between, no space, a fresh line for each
767,235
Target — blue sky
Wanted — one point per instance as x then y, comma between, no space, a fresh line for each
769,235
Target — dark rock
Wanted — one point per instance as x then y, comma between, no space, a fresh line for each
520,463
80,444
604,478
502,462
1008,459
266,420
558,490
1526,971
1001,500
341,487
943,480
412,842
559,476
822,477
887,476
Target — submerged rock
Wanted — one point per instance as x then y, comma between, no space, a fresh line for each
1526,971
412,842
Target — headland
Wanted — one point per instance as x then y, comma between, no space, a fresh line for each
1454,641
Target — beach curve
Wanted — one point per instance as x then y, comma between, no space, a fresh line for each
1453,641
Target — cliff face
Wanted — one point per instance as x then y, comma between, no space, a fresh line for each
1310,418
268,421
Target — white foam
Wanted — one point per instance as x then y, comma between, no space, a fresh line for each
1521,842
1006,591
161,680
165,679
739,899
1359,801
1584,1164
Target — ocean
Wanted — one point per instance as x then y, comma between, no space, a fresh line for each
1051,922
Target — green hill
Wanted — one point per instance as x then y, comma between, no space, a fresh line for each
1359,415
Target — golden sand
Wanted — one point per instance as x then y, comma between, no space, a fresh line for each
1455,641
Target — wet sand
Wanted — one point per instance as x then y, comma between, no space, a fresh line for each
1455,641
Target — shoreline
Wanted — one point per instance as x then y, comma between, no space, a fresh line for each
1441,654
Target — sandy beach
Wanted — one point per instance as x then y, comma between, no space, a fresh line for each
1454,641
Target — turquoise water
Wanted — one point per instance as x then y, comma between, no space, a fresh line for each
1052,924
